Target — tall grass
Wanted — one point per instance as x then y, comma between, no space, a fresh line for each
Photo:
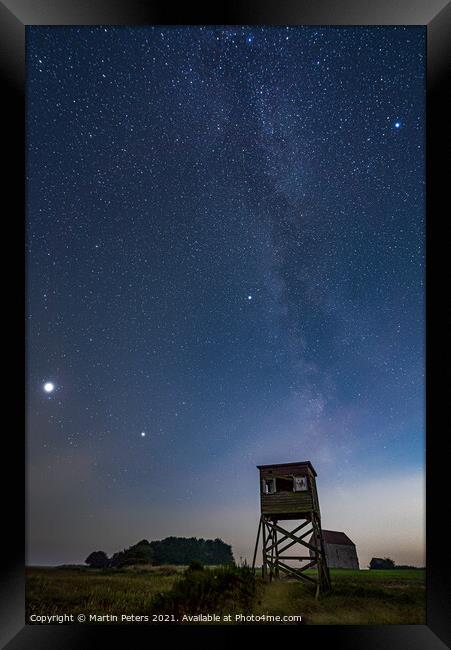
61,591
358,597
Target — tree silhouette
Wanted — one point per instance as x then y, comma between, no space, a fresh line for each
97,559
381,563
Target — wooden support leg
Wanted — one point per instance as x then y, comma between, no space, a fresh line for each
276,552
264,565
271,537
324,583
256,544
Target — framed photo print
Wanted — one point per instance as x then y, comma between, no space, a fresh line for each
226,399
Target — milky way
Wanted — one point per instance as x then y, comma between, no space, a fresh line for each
225,248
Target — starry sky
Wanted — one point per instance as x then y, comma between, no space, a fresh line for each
225,268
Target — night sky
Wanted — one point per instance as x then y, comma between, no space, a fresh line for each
225,268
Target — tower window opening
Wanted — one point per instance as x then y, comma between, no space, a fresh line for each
284,484
269,486
300,483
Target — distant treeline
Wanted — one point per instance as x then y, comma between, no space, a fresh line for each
407,566
172,550
387,563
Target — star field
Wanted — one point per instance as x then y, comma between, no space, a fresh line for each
225,266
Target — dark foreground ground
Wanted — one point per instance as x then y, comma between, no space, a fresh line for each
358,597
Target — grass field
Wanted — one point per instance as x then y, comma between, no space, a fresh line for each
358,597
77,591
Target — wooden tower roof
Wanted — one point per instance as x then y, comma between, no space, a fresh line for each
305,463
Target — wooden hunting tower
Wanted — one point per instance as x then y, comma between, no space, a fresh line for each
288,492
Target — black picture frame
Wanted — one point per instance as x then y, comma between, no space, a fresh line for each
15,15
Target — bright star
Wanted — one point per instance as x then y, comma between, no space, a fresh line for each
49,387
249,297
397,125
143,434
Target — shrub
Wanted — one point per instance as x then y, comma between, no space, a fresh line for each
225,589
195,565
